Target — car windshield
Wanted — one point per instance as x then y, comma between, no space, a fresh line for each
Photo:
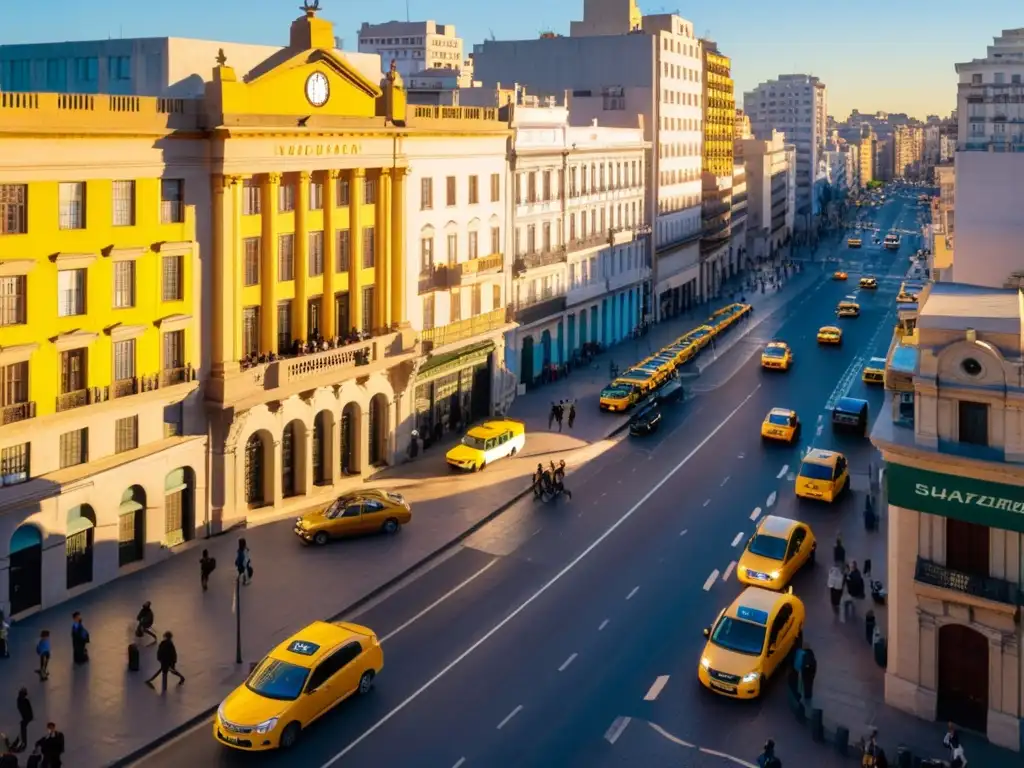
740,636
274,679
815,471
614,392
771,547
778,418
474,442
775,351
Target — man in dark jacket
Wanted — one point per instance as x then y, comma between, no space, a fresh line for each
145,621
79,639
52,746
808,669
767,759
27,716
167,655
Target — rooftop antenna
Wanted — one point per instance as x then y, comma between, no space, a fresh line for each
492,37
407,10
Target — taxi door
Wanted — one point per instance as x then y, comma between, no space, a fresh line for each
492,450
350,521
780,637
798,551
840,475
373,516
346,677
320,693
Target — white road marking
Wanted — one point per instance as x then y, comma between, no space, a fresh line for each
543,589
756,513
670,737
566,663
821,418
437,602
461,762
782,472
509,716
603,625
725,481
740,456
683,532
738,539
771,498
615,729
656,688
707,502
724,756
819,430
728,571
632,592
711,580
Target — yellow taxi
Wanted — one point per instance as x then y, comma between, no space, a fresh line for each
300,680
701,336
644,380
778,549
781,424
619,396
868,283
353,514
487,443
777,356
823,475
839,275
854,242
750,641
829,334
907,294
848,309
683,350
874,371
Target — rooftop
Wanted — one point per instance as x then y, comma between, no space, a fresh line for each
960,307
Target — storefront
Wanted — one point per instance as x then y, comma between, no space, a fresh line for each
454,390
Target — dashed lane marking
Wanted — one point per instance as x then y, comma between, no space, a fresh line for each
670,737
736,760
711,580
603,625
756,513
725,481
461,761
509,716
771,498
615,729
656,688
707,502
683,532
782,472
566,663
728,571
738,539
632,592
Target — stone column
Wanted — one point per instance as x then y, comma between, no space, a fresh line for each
363,443
225,321
355,240
330,252
382,250
301,328
275,478
399,269
333,469
268,265
305,473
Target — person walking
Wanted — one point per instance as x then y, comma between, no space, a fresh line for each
167,656
51,746
839,551
551,414
808,670
243,562
560,413
207,565
768,759
43,652
26,716
872,755
144,622
79,639
572,413
835,587
951,741
854,585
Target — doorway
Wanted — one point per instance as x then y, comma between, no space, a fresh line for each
26,574
963,677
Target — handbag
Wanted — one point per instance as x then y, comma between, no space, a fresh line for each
248,570
138,630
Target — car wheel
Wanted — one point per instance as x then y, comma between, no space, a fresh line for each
320,538
366,682
514,451
290,735
391,526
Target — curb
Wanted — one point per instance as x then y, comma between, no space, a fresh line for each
148,748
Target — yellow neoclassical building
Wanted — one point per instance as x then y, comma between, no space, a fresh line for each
202,307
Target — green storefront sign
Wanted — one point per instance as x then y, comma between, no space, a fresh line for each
974,501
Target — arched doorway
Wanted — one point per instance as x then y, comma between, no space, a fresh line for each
545,343
293,444
255,469
378,430
323,430
79,545
963,677
25,589
179,506
526,362
349,444
131,526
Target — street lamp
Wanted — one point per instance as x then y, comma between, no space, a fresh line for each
238,619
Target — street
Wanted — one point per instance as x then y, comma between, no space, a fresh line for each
569,634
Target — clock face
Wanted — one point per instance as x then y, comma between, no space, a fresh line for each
318,89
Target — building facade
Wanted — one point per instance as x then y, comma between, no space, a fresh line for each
416,46
952,440
942,225
771,181
866,156
717,167
908,152
581,265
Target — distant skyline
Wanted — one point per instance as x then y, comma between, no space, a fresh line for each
878,56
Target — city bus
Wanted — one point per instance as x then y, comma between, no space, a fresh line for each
892,242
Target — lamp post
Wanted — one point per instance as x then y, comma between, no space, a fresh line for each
238,619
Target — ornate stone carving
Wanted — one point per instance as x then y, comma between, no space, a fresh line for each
358,173
333,174
304,177
274,178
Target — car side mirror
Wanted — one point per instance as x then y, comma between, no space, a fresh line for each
707,631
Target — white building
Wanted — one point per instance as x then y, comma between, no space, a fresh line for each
416,46
840,166
990,164
615,72
580,237
771,191
738,219
796,106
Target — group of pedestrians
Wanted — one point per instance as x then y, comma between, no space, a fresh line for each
846,583
563,409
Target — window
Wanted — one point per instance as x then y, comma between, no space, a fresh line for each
126,434
426,255
495,187
531,187
71,204
973,419
284,327
172,268
474,190
13,384
426,194
285,197
342,191
316,253
453,248
316,195
13,207
368,247
124,203
124,360
172,201
72,371
124,284
473,245
251,253
12,300
343,251
428,312
368,297
967,547
342,324
450,195
174,351
285,257
456,312
251,331
70,292
74,447
57,75
14,464
496,298
119,68
369,191
546,237
546,181
531,238
495,239
250,197
476,299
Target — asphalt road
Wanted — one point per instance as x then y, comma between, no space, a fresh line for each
533,644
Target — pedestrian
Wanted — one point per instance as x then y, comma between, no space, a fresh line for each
5,628
207,565
51,746
144,621
767,758
951,741
835,587
35,760
79,639
243,562
552,413
572,413
855,583
808,670
167,655
560,413
872,755
26,716
43,652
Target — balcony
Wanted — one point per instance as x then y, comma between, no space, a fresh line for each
463,330
536,308
686,239
181,375
491,264
9,414
541,259
438,278
75,399
134,385
981,587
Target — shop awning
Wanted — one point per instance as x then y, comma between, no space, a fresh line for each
438,365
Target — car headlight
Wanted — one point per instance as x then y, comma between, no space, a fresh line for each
705,662
220,711
752,677
742,569
266,726
774,575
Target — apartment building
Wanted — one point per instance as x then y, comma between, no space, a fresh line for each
719,101
866,155
941,232
795,105
950,434
770,169
908,152
416,46
615,71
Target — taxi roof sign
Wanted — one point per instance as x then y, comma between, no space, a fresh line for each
303,648
752,614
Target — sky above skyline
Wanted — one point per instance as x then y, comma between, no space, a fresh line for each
874,55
